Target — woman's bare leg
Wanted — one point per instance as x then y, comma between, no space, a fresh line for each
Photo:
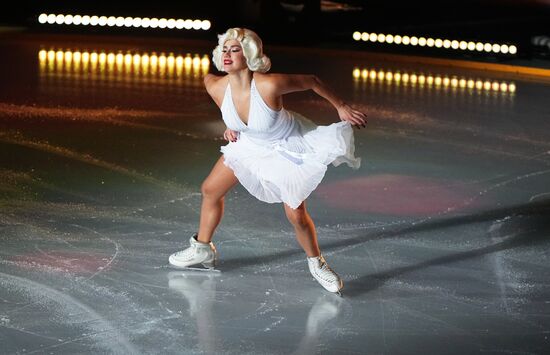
220,180
304,228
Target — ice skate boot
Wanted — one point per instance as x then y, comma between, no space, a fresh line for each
324,274
197,253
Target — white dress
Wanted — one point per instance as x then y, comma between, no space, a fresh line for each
281,156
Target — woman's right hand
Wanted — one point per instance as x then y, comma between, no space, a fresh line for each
230,135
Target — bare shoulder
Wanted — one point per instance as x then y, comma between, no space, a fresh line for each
282,83
215,86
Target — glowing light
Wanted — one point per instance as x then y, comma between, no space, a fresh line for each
356,35
128,21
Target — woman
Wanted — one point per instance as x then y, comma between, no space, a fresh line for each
277,155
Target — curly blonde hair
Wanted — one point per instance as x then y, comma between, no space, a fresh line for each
252,49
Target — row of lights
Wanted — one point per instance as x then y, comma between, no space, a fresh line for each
145,22
430,80
139,62
435,42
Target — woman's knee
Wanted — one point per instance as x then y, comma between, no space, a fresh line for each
210,190
297,217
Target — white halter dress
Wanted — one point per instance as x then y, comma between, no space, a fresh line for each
281,156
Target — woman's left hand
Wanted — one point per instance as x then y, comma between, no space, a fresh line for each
353,116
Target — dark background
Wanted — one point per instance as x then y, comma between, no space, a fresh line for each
312,22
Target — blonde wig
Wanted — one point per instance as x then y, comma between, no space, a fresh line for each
251,44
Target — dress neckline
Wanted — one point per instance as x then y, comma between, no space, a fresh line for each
249,103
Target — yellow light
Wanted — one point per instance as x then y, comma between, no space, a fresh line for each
365,73
154,22
438,43
471,46
111,58
128,59
206,25
495,86
93,57
136,59
171,23
455,44
454,82
389,38
43,18
414,41
512,88
512,49
59,19
430,80
357,35
85,57
463,45
188,60
438,81
162,60
188,24
504,48
119,59
205,61
503,87
397,39
145,22
365,36
372,75
68,56
136,22
479,46
145,60
446,81
196,61
430,42
405,77
356,73
471,84
397,76
163,23
421,79
373,37
389,76
487,85
180,24
111,21
422,41
85,20
446,43
406,40
496,48
479,84
413,78
487,47
59,56
51,19
197,24
42,55
462,83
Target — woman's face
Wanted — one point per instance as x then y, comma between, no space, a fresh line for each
233,58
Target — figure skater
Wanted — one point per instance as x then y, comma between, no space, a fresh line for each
276,154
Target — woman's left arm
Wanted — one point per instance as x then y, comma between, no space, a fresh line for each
287,83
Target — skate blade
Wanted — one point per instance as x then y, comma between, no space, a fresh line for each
190,268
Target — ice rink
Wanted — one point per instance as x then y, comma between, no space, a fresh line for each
441,237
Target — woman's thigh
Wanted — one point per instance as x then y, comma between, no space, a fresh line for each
220,180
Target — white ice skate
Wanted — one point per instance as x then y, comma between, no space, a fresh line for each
197,253
324,274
